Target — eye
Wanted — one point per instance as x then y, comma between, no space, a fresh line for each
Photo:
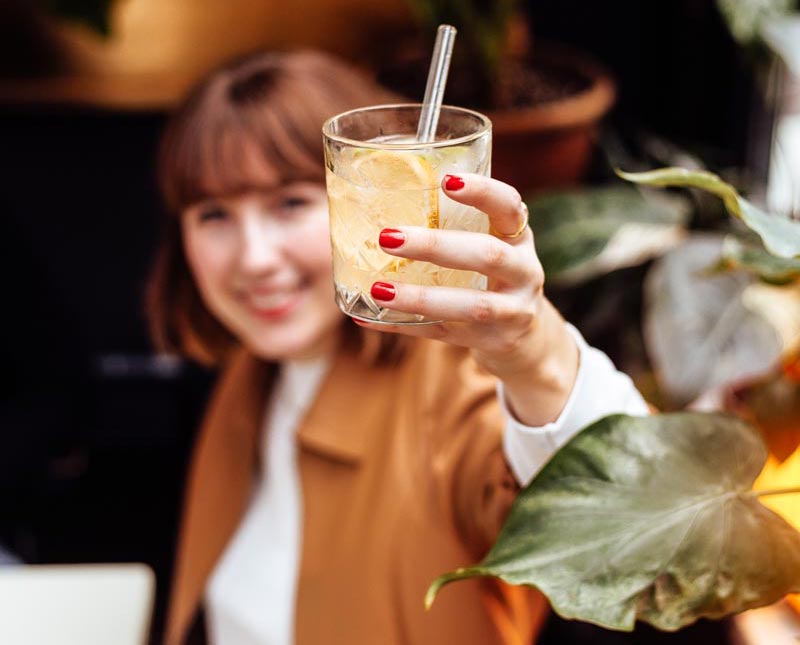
292,202
212,214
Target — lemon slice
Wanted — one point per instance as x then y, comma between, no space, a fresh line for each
400,171
375,189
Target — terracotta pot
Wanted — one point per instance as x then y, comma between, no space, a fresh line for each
551,144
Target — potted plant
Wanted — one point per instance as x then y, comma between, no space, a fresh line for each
544,107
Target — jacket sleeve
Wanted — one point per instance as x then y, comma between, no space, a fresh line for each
464,423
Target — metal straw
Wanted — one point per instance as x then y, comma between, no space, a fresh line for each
437,79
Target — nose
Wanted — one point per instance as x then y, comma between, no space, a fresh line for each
261,245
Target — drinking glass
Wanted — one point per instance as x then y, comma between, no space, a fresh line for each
379,176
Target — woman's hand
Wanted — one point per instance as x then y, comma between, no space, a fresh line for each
513,330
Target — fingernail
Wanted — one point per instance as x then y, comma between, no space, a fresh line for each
391,238
453,182
383,291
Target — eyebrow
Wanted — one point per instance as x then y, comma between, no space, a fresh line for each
261,189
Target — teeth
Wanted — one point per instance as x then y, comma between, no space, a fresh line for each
270,301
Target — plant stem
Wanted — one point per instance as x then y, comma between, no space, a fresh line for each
446,578
776,491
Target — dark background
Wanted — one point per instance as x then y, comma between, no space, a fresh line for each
94,430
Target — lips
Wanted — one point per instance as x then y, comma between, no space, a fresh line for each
270,301
275,304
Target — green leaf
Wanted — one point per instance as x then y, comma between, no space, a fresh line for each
781,235
745,17
699,332
584,233
648,518
482,27
767,267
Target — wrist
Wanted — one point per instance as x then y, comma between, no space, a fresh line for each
540,377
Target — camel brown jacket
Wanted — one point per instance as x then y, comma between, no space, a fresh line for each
403,478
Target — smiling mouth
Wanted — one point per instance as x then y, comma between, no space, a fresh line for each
273,305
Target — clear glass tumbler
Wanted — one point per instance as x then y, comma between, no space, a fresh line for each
378,176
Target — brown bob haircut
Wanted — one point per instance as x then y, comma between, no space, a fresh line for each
252,124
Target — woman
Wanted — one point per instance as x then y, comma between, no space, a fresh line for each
340,468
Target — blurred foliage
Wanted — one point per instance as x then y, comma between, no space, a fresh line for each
746,17
780,234
742,337
584,233
95,14
482,26
739,254
698,327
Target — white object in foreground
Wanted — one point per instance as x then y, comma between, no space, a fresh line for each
75,604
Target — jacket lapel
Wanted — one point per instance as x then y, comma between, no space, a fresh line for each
226,457
219,485
346,407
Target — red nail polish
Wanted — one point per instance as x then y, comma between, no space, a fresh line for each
453,182
383,291
391,238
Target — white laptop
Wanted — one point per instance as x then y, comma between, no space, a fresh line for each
95,604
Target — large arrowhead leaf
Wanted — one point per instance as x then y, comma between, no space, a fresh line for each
584,233
781,235
651,519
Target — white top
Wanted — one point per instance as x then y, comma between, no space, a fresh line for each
259,568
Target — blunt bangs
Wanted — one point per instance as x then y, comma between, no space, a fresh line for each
233,140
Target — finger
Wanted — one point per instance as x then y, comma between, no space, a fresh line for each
452,304
463,250
501,202
434,330
459,334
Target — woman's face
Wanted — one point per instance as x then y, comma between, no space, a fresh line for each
262,264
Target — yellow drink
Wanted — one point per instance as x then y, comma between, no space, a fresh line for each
391,181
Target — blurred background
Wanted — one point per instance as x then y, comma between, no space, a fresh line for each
95,428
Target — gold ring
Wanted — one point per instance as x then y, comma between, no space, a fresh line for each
519,231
